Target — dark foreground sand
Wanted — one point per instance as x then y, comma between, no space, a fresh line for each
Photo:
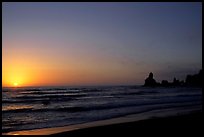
185,125
130,126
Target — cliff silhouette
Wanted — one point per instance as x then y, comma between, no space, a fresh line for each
194,80
190,81
150,81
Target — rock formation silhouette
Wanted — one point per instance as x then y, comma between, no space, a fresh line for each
194,80
150,81
165,83
191,81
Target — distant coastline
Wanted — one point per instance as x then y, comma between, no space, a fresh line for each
194,80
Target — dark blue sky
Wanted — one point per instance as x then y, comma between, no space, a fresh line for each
124,41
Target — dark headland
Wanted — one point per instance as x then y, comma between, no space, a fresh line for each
190,81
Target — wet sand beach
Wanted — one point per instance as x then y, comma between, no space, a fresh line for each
131,125
184,125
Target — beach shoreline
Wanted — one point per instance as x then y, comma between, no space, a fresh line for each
125,124
182,125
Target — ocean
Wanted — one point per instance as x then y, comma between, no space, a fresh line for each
42,107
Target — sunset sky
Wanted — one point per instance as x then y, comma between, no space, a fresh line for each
58,44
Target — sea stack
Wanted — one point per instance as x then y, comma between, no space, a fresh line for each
150,81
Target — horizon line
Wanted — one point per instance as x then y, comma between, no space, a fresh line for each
73,85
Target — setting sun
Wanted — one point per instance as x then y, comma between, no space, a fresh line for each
15,84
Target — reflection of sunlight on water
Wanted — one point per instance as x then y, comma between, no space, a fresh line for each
12,93
15,107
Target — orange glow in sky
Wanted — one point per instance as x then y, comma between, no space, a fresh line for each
38,67
49,44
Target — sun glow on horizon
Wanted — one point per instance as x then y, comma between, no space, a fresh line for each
15,84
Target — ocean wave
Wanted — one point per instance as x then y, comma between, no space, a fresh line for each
50,96
33,89
55,104
17,110
101,107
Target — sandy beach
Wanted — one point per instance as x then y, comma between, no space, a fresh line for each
186,125
131,125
